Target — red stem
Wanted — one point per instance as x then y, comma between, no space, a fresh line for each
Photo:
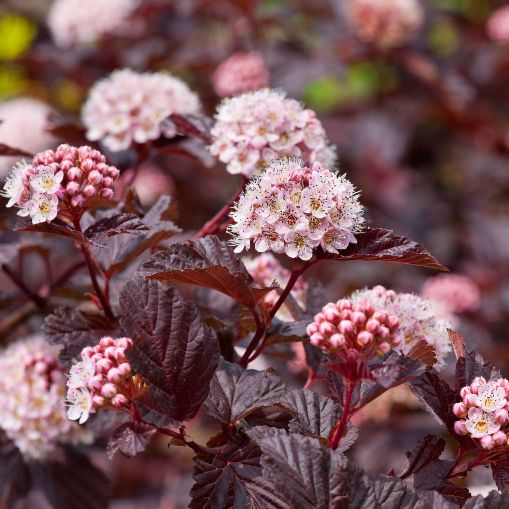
337,432
260,331
212,225
34,297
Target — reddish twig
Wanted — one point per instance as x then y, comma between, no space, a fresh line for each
338,431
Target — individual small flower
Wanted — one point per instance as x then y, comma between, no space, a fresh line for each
64,180
255,128
32,388
385,23
294,209
498,25
455,292
102,378
240,73
491,397
129,106
265,271
419,320
74,22
480,424
353,330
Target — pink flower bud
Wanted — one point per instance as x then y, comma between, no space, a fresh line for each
331,315
75,174
125,343
460,428
501,416
319,318
464,391
65,166
311,328
113,375
358,318
384,347
88,165
470,400
110,351
499,438
337,340
372,325
343,304
95,383
107,181
364,338
106,193
103,365
383,332
487,442
119,400
89,190
97,400
106,341
346,327
109,390
78,201
316,339
393,322
459,409
95,178
72,188
381,316
124,369
113,172
326,328
97,357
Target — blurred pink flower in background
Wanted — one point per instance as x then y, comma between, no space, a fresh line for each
23,126
151,182
498,25
455,292
75,22
385,23
239,73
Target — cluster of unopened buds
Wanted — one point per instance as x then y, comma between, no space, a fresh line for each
62,180
483,412
351,331
32,387
292,209
255,128
385,23
240,73
101,379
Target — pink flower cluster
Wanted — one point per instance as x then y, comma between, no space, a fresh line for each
455,292
385,23
266,270
483,412
498,25
64,179
75,22
240,73
352,330
129,106
293,209
32,388
103,378
255,128
419,319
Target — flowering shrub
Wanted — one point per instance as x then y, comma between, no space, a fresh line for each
201,292
255,128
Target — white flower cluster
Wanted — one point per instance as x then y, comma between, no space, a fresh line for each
77,22
419,319
294,209
32,392
128,107
255,128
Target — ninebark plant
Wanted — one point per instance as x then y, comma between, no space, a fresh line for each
137,348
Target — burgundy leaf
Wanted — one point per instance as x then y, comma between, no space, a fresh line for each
470,366
99,232
6,150
458,343
494,500
236,392
315,415
384,245
286,332
68,130
130,439
174,351
232,479
426,451
74,329
56,227
500,470
195,126
208,262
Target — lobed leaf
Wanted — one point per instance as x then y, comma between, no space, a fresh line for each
426,451
130,439
99,233
174,351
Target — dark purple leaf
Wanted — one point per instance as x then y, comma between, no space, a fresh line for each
470,366
315,415
286,332
208,262
494,500
500,470
232,479
6,150
195,126
174,351
56,227
391,493
386,375
130,439
458,343
74,329
426,451
236,392
99,233
384,245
